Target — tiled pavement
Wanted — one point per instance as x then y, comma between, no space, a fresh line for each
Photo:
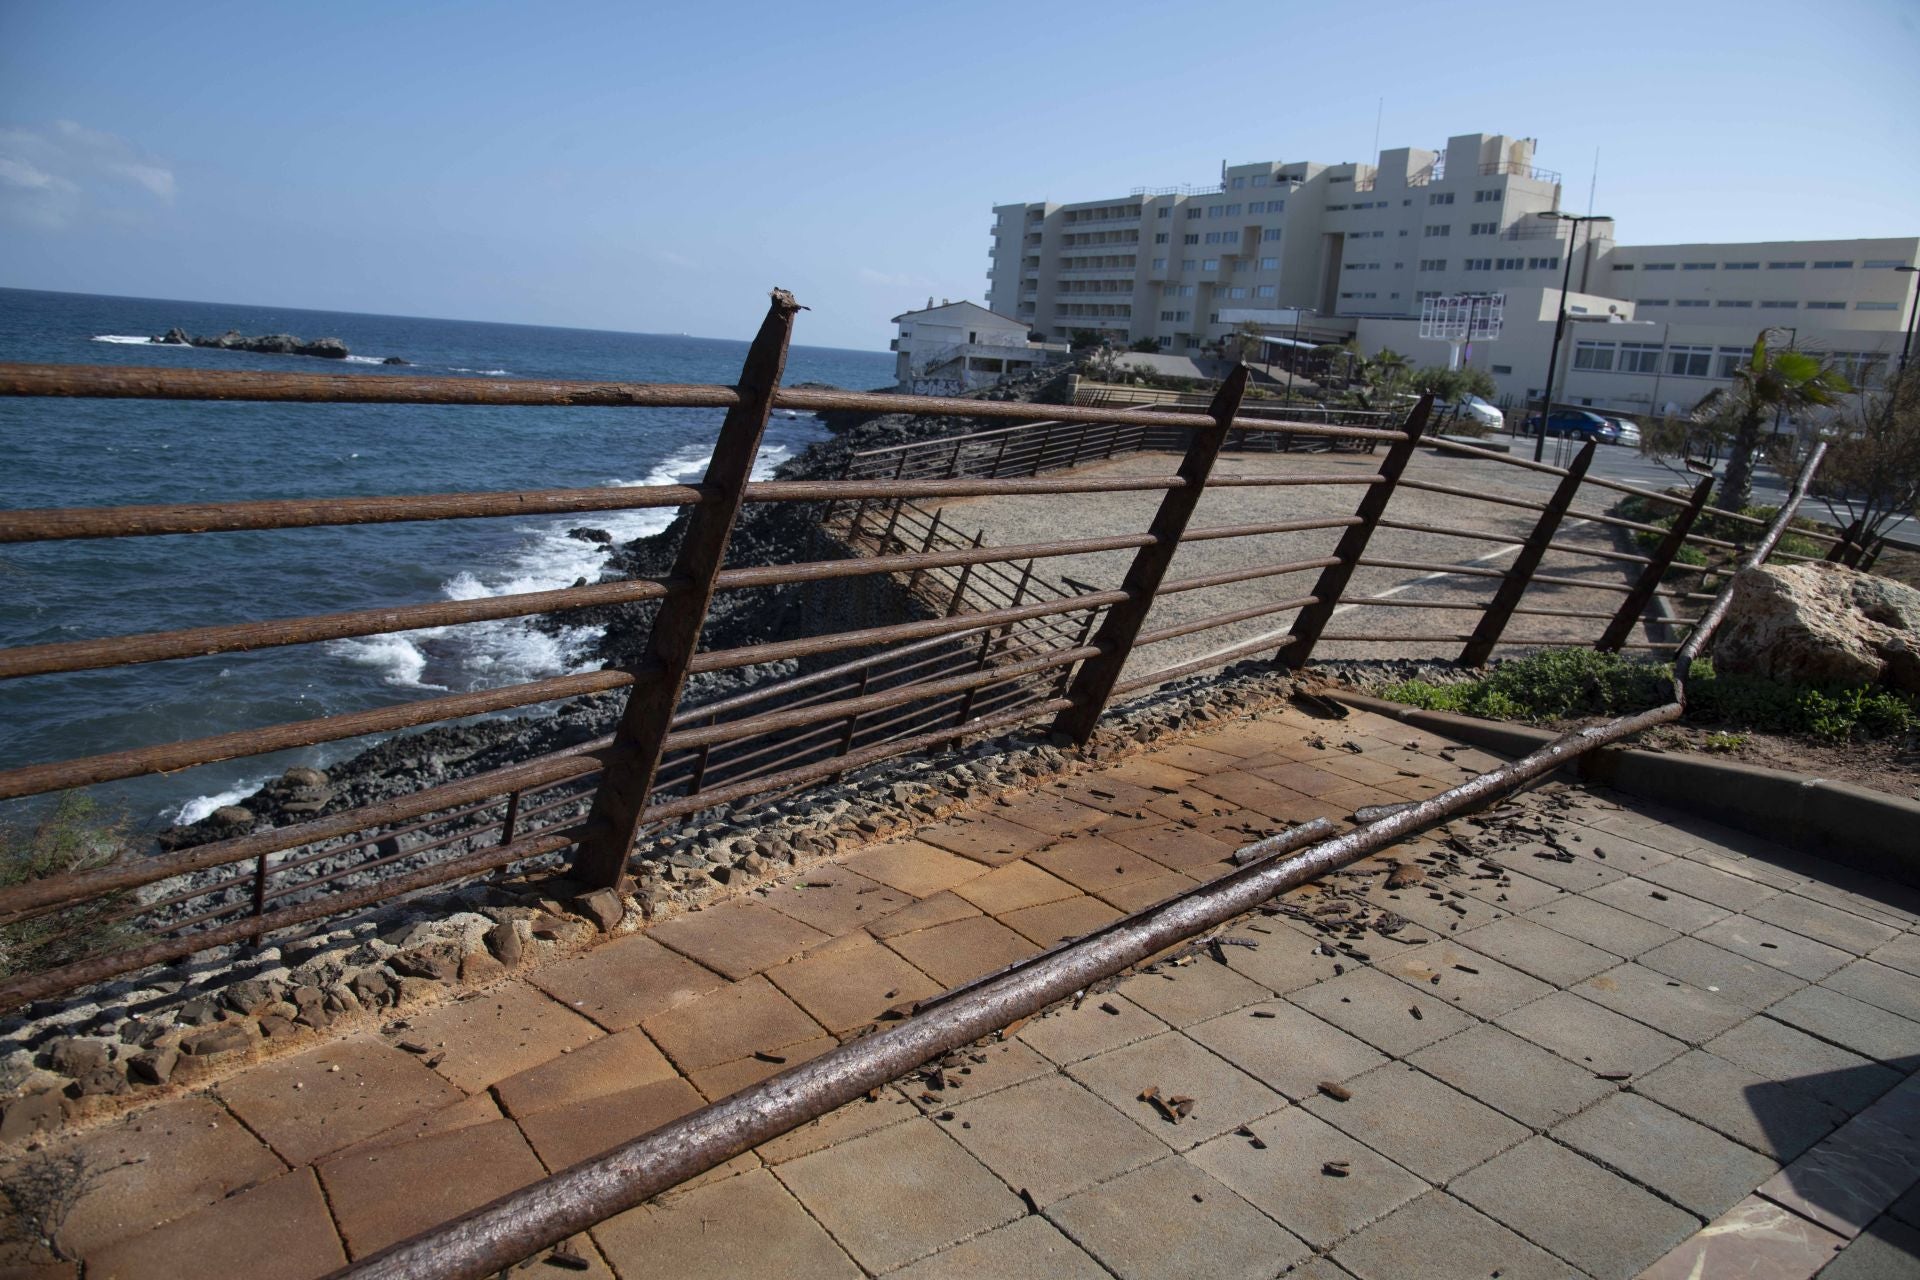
1567,1060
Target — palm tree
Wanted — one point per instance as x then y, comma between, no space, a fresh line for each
1386,369
1770,383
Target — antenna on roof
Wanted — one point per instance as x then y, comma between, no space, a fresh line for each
1378,111
1594,181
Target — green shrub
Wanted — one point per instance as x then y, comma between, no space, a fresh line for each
71,837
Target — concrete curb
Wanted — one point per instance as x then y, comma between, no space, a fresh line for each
1870,830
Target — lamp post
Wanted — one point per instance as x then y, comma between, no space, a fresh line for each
1573,222
1906,348
1293,356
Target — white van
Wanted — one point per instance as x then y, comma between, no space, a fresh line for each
1477,410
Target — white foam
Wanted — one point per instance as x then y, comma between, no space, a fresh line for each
491,373
130,338
201,806
397,657
364,360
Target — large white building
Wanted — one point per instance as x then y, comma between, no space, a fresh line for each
961,346
1354,249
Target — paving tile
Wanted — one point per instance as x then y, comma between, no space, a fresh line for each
564,1136
983,838
496,1033
1177,847
1720,972
1067,1034
1578,875
1170,1221
620,983
1866,895
607,1065
1307,779
733,1022
1602,926
1016,885
1880,986
1183,994
850,981
1419,1123
1195,758
1823,923
1031,1247
1772,1116
1250,791
1887,1250
1545,953
1286,1048
379,1197
893,1196
1051,1138
1511,1075
1428,905
1224,1096
1387,1014
963,950
1092,863
1853,1176
728,1078
161,1164
1907,1207
1436,1237
1136,895
1601,1223
835,900
1649,901
984,1068
1055,922
1903,953
1468,980
1287,958
862,1115
1866,1029
1780,1052
1755,1238
1683,1011
1659,1148
1710,884
1589,1036
1051,814
759,1222
481,1108
1511,892
915,867
227,1238
375,1087
941,908
737,939
1287,1177
1108,792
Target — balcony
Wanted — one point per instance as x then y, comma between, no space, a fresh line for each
1098,273
1517,170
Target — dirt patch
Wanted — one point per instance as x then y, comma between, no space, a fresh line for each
1888,764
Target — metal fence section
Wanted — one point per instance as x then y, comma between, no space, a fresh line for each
989,639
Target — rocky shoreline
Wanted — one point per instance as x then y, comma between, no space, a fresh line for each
272,344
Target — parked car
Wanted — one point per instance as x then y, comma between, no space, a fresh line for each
1581,424
1629,430
1478,411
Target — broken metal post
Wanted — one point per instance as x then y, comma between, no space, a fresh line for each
1662,559
1500,610
1312,620
1094,682
638,742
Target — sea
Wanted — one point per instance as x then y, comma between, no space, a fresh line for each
67,453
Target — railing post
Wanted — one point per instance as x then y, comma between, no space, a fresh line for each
980,664
933,528
1866,563
1500,610
1642,594
1079,443
699,775
966,572
1312,620
620,801
993,472
1080,642
826,516
1093,684
953,463
510,823
893,519
1847,549
853,721
259,894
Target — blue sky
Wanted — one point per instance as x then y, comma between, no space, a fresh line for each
657,168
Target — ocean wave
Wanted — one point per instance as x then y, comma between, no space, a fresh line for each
364,360
397,658
491,373
201,806
133,338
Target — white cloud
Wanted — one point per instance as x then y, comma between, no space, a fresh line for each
51,175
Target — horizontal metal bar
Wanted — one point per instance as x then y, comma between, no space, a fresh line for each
1258,645
1450,637
1396,602
1208,623
1210,532
776,575
1226,576
1429,486
1450,531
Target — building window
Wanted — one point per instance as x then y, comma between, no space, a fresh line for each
1433,264
1233,211
1186,290
1625,266
1511,264
1190,239
1503,369
1440,197
1664,266
1786,266
1689,362
1166,211
1739,266
1778,306
1256,206
1593,355
1731,358
1691,302
1832,266
1259,179
1872,264
1653,302
1696,266
1159,264
1436,231
1269,264
1271,233
1486,197
1196,212
1876,306
1187,264
1734,302
1266,291
1479,264
1166,315
1163,342
1544,264
1216,211
1210,264
1237,293
1483,229
1239,182
1826,306
1160,237
1639,357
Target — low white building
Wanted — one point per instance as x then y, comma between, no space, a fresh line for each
962,346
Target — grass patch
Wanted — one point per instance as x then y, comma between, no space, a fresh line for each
1569,684
71,837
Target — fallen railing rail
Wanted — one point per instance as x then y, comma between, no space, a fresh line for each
519,1224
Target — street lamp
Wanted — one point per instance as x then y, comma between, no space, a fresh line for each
1906,347
1573,222
1293,356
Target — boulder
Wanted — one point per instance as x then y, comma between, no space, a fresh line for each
586,534
1821,622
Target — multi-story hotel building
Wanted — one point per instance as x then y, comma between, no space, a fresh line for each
1354,249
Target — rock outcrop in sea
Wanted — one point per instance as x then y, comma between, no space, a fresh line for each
277,344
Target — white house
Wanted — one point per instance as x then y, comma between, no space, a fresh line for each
961,346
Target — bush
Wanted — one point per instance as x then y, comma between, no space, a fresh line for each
72,837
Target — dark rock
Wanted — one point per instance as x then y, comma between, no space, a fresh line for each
219,1040
504,941
393,360
198,1012
372,988
279,344
101,1082
75,1057
155,1066
591,535
548,926
478,968
603,907
37,1113
275,1027
437,960
249,996
312,1005
409,989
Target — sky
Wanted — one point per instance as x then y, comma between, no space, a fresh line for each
656,168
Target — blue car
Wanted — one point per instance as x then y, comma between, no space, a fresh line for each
1578,423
